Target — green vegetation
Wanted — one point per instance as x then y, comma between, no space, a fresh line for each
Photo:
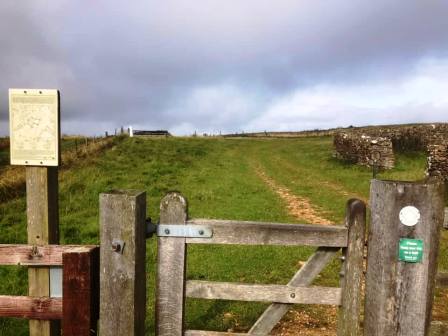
218,177
68,143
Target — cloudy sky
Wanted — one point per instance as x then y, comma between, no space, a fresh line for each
228,66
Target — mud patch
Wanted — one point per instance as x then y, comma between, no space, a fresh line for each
301,323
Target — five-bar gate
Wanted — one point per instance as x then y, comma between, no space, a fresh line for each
175,232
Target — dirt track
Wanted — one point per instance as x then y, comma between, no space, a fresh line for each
300,322
299,207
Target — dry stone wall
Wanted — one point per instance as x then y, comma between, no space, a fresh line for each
362,145
364,149
438,159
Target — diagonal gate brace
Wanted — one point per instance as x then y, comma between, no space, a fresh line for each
304,277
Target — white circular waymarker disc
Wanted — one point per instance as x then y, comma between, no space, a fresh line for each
409,215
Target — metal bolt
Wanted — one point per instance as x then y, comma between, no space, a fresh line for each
116,247
292,295
167,231
34,251
201,232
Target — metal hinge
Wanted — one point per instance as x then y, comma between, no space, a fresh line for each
176,230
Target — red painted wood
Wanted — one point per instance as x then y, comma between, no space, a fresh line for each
80,292
36,308
29,255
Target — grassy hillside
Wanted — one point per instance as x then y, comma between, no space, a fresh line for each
74,151
221,179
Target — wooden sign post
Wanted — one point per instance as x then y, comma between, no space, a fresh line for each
35,138
402,256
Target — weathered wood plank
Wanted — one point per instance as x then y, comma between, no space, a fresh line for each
122,265
37,308
170,299
33,255
352,270
257,233
80,292
399,295
210,333
304,277
442,280
263,293
43,228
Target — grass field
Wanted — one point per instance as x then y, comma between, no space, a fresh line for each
221,179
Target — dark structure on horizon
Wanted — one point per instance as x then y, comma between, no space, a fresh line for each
156,133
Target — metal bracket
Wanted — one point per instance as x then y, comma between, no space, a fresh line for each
56,281
177,230
151,228
187,231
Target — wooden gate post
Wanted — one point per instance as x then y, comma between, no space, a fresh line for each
42,226
403,246
122,263
352,272
170,291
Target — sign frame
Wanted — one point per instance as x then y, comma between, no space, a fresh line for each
34,120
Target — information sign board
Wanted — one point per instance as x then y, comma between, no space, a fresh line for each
34,127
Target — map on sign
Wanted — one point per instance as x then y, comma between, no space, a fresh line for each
34,127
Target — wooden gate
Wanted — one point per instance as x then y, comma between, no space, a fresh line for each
172,288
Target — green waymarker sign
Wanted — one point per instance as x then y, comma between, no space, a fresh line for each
410,250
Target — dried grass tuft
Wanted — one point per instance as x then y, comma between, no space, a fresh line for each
12,178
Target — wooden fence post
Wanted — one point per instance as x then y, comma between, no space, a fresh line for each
399,293
352,272
43,220
170,292
122,263
80,309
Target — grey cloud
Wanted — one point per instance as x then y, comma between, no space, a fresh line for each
142,62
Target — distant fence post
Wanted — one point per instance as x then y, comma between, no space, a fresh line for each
352,272
122,263
403,246
170,292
